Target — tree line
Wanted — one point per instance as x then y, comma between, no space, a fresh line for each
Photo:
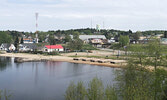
11,36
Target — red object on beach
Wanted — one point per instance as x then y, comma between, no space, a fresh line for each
54,46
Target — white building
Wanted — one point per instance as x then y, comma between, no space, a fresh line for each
6,46
86,38
52,48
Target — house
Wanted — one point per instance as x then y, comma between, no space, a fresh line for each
87,38
52,48
112,40
6,47
96,42
133,41
27,47
28,40
12,47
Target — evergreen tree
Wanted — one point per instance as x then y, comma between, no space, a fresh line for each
67,38
16,43
22,41
165,34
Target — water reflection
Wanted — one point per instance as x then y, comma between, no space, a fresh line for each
4,63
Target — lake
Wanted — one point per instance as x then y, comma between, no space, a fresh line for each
47,80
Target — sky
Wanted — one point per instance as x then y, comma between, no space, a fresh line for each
136,15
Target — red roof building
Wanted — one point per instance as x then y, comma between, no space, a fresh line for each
54,46
51,48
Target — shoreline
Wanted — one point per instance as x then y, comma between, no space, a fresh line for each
35,57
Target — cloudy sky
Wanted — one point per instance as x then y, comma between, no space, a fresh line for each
71,14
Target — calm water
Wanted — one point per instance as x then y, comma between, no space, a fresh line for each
47,80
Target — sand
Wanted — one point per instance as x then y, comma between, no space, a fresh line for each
36,57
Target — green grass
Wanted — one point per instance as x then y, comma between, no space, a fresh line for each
133,47
88,47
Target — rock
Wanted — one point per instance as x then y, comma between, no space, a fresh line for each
83,59
75,59
18,60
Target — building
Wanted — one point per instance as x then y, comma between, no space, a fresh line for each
87,38
52,48
27,47
28,40
96,42
6,47
112,40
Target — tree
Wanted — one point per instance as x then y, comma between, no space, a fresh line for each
136,36
76,35
22,41
16,43
76,44
95,91
107,35
5,37
51,39
67,38
130,32
123,40
137,81
165,34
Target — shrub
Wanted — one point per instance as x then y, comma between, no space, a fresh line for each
5,95
88,47
53,53
115,46
95,91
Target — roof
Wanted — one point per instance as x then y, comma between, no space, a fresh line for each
54,46
6,45
29,45
86,37
27,39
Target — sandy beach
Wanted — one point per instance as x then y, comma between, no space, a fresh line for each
37,57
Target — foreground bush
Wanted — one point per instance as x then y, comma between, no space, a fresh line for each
5,95
95,91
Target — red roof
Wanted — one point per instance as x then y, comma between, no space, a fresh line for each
54,46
